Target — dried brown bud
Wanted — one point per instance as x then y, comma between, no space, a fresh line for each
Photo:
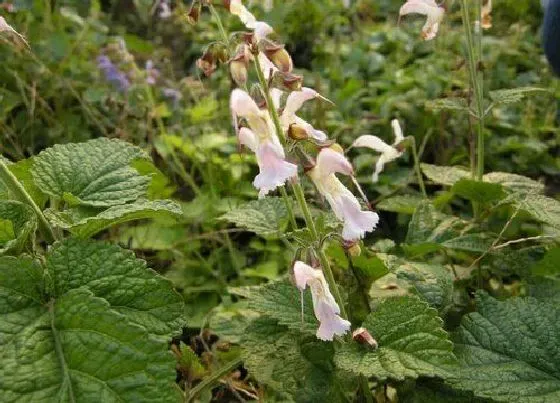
227,3
296,132
207,63
194,12
362,336
279,56
290,81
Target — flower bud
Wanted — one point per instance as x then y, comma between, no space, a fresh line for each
194,12
362,336
297,133
207,63
355,250
279,56
337,147
238,68
289,81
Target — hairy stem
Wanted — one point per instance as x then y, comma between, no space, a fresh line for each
215,377
474,57
21,194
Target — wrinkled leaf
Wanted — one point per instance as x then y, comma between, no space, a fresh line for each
265,217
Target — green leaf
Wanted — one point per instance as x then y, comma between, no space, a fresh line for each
478,242
422,223
282,301
76,349
81,223
481,192
116,275
23,225
412,343
510,351
515,183
405,204
6,231
443,175
513,95
542,208
95,173
22,171
458,104
266,217
549,265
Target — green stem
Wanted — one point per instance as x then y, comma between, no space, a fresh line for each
21,194
476,80
300,196
289,207
215,377
417,168
219,23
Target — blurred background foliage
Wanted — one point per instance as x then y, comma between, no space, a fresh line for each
121,69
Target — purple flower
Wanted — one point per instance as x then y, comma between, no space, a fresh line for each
112,73
174,95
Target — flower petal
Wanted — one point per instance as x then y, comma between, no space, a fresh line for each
332,326
246,17
373,142
356,221
248,138
304,273
274,170
330,162
242,104
296,99
397,130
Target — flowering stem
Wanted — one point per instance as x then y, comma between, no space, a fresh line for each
417,168
219,23
289,207
21,195
299,194
474,56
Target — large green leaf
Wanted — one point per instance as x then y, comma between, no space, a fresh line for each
23,224
510,351
22,171
481,192
95,173
116,275
444,175
513,95
411,340
542,208
513,182
400,204
82,223
72,347
266,217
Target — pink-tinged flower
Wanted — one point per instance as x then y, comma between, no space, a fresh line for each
261,138
486,15
431,10
325,307
295,101
344,204
5,27
388,153
260,28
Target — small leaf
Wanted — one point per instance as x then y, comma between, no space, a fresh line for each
412,343
513,95
405,204
83,224
515,183
422,223
458,104
266,217
510,351
23,225
443,175
481,192
95,173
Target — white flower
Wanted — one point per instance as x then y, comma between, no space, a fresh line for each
431,10
5,27
295,101
345,205
261,138
324,305
261,29
388,153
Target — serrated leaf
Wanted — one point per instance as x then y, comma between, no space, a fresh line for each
405,204
542,208
76,349
470,242
265,217
23,221
282,301
94,173
22,171
513,95
515,183
510,351
481,192
116,275
458,104
81,223
422,223
412,343
444,175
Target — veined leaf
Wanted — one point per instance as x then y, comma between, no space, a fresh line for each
422,223
478,242
515,183
510,351
481,192
22,171
264,217
23,224
549,265
116,275
458,104
83,224
405,204
94,173
83,350
542,208
411,340
444,175
513,95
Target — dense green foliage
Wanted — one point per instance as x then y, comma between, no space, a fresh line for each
137,263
